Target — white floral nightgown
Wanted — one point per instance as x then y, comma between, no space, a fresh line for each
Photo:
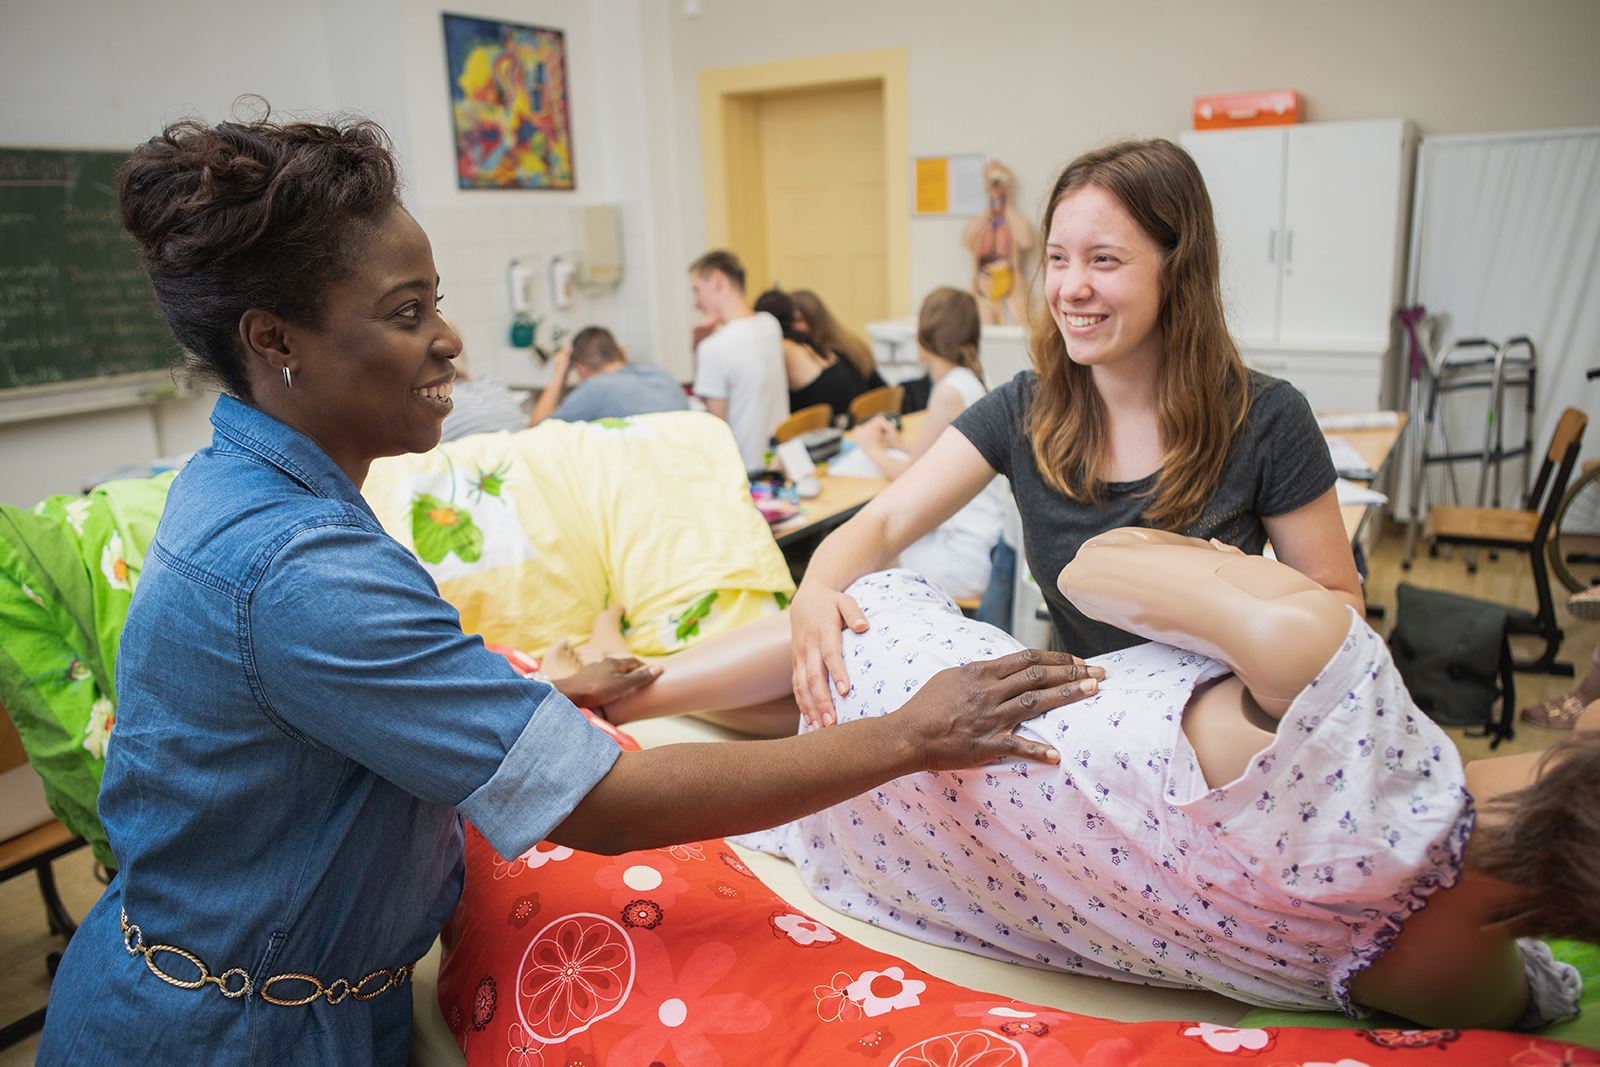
1120,861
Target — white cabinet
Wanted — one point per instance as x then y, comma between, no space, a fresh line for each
1312,220
1243,170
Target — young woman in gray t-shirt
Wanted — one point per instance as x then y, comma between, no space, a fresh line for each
1139,411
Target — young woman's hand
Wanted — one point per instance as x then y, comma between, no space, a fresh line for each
878,431
967,716
597,684
817,616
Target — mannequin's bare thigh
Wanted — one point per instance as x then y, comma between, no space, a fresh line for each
1226,729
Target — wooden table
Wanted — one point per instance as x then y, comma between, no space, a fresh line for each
1376,447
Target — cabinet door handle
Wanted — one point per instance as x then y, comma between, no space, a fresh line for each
1288,249
1272,245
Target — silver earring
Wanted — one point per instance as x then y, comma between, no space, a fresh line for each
288,379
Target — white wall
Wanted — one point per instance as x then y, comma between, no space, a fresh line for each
104,74
1032,82
476,232
1036,82
135,67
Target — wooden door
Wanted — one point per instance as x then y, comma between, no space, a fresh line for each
823,196
1341,221
1243,170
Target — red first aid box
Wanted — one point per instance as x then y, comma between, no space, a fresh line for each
1271,107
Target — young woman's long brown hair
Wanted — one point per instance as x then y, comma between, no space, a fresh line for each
829,334
1202,386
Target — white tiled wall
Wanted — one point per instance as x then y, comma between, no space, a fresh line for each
473,245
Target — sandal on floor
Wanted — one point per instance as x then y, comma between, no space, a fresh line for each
1585,605
1558,714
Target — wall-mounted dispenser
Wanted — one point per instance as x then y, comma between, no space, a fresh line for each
524,327
519,276
597,242
563,270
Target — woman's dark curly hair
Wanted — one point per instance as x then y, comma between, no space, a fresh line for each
245,215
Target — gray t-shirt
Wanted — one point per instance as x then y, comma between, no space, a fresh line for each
632,389
1276,463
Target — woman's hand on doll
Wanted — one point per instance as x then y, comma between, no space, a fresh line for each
817,616
967,716
595,685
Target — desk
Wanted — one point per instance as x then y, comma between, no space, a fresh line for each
840,498
1375,446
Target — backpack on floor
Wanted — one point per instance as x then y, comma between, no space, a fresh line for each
1455,656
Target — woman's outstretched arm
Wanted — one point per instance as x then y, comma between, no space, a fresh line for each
962,717
933,489
1274,627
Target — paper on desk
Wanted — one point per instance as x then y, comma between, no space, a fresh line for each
854,463
1348,460
1359,420
1350,493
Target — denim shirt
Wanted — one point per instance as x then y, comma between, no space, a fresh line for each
301,727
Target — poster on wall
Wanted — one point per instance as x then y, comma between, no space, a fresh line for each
508,97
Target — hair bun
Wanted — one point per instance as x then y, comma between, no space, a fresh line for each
251,214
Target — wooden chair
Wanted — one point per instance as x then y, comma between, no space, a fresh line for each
815,417
876,402
1527,529
34,851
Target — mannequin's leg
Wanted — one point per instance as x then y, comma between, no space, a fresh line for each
747,668
1272,625
605,637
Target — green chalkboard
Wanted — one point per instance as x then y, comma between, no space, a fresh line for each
74,302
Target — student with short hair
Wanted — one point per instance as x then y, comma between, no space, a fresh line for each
609,386
738,356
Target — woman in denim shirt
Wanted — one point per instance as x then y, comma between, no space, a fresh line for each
302,723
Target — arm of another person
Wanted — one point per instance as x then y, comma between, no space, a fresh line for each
1312,540
962,717
711,382
876,436
933,489
560,362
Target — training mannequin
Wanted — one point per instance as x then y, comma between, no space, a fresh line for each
739,679
997,239
1259,819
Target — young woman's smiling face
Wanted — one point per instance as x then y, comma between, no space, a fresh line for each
374,380
1103,283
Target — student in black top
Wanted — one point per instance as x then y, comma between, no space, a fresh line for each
828,334
816,375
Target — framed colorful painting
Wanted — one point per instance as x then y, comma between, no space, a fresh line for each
508,97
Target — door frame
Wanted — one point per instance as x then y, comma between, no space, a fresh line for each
730,99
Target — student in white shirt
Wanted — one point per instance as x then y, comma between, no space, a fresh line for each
738,369
955,555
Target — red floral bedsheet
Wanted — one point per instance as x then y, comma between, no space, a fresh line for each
681,956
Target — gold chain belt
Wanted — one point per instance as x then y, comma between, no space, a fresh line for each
333,992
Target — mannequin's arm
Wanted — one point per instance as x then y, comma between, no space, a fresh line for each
1274,627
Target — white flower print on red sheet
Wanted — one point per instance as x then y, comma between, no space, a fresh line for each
1229,1039
880,992
540,854
801,930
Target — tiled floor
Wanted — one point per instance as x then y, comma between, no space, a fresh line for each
25,940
